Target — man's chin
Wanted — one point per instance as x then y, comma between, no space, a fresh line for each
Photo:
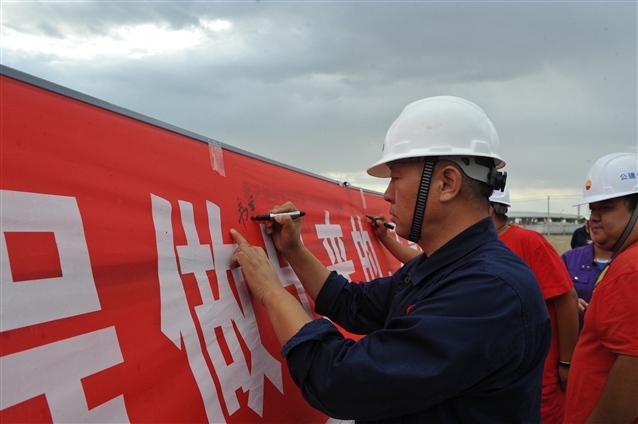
400,232
600,243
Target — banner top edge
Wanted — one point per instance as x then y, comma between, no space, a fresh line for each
44,84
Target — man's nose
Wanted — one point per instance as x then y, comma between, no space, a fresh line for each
387,194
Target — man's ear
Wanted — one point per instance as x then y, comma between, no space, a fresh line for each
451,181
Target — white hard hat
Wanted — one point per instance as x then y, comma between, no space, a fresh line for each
502,197
443,126
613,175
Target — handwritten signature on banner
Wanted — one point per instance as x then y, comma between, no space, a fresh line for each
226,314
243,210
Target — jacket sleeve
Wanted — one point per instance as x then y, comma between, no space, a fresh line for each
467,337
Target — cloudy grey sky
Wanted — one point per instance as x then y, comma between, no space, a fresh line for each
316,84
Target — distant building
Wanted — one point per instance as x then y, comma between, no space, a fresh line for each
554,223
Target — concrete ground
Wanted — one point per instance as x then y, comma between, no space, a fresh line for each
560,242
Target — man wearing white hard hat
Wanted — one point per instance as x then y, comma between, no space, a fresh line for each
560,296
603,387
558,290
459,333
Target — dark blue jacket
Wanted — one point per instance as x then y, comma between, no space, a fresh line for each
460,336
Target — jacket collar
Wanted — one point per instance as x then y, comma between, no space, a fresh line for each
467,241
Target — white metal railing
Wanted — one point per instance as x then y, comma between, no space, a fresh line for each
553,228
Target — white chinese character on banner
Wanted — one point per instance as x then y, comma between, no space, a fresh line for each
365,250
55,369
286,275
331,235
226,314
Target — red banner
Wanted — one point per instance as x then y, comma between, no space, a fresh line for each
118,302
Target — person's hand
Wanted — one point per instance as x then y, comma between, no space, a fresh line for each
258,271
563,373
284,230
582,306
378,228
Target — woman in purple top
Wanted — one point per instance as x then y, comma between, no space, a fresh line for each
584,265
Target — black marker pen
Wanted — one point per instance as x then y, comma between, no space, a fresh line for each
270,216
385,224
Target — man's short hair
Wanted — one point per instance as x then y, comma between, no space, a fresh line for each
478,190
631,201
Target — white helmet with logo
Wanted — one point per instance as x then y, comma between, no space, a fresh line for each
441,126
613,175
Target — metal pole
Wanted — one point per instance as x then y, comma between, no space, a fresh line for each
547,215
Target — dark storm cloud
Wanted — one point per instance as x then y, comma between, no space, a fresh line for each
380,42
300,81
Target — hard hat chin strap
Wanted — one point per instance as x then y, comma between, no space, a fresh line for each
628,228
470,166
422,196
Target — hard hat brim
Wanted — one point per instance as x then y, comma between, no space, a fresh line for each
381,170
601,197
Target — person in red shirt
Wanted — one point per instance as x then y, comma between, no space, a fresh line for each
603,387
560,296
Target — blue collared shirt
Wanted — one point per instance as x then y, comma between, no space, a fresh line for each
460,336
